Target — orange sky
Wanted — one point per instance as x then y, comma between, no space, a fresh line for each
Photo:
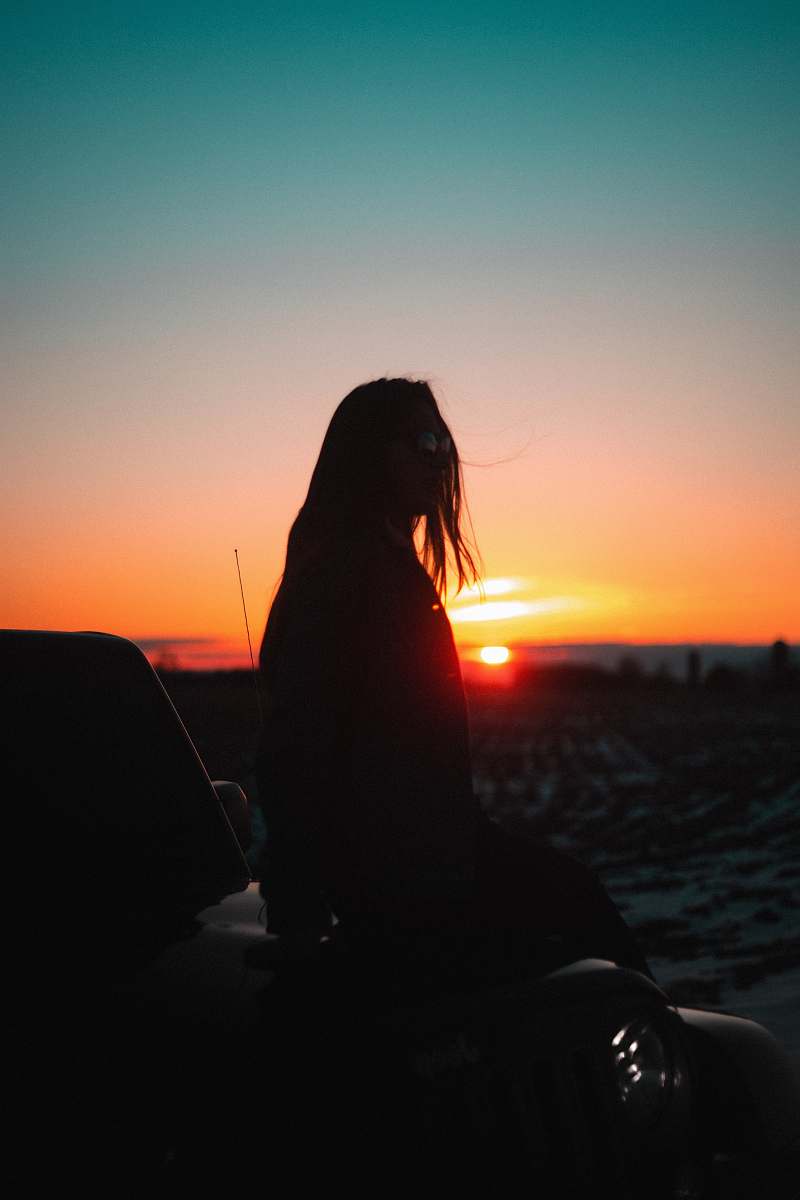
582,229
654,546
616,521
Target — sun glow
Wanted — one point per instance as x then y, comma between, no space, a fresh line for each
490,587
494,655
523,608
494,610
507,610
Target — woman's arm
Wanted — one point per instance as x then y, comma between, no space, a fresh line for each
309,675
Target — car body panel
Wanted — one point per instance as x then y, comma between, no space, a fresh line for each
162,1036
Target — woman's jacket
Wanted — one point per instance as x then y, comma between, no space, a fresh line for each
364,770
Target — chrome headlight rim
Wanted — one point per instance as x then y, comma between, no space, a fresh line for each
645,1069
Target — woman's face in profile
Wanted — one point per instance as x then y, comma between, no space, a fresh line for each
416,458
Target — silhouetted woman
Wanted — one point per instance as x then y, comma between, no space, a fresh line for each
364,772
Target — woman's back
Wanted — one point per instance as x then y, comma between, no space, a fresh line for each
365,766
364,772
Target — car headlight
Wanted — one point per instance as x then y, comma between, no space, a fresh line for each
643,1071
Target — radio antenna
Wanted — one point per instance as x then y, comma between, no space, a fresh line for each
249,644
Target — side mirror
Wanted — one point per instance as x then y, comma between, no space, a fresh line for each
236,808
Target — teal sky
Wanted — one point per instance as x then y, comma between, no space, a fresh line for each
218,218
135,131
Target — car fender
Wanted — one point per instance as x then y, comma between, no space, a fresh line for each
747,1082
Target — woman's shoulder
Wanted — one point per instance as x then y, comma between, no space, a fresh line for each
336,567
352,575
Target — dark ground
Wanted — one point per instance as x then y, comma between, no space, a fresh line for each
685,800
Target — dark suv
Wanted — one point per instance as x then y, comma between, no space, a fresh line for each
162,1041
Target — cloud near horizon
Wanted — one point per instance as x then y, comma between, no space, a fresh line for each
470,607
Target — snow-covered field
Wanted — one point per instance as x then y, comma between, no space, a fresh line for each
686,804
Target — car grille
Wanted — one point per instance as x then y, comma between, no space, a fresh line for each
509,1094
532,1119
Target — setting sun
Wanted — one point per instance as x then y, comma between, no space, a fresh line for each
494,655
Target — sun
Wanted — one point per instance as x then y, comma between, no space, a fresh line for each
495,655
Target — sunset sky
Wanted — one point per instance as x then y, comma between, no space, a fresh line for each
578,221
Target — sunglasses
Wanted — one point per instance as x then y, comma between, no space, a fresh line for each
429,445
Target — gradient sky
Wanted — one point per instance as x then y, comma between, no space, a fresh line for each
580,222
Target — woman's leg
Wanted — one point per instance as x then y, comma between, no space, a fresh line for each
523,885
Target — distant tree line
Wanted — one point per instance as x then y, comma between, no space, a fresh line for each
778,670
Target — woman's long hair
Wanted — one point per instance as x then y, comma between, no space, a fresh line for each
346,505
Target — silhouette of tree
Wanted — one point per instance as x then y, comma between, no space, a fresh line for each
629,668
779,659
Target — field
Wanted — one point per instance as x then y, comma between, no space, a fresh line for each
684,800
